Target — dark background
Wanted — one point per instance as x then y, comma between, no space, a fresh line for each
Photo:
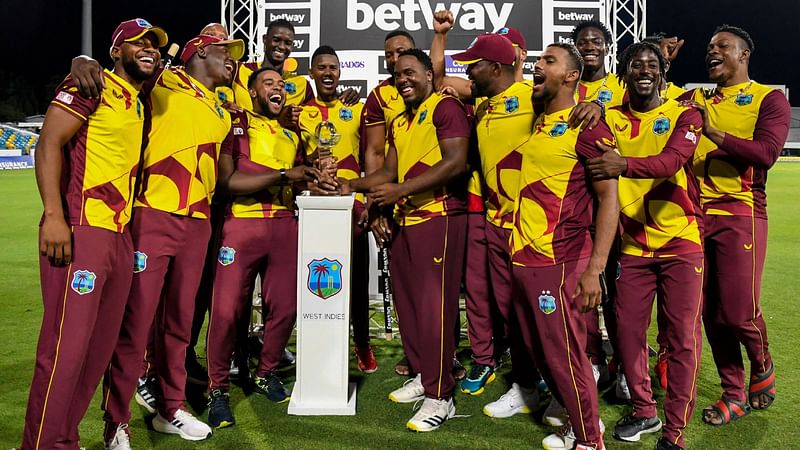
39,38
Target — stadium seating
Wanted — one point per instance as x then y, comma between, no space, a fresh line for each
11,139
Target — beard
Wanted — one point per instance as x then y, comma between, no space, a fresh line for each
134,71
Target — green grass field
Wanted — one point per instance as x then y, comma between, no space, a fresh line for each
379,423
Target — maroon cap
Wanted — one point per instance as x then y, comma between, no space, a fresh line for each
489,47
133,29
235,46
514,35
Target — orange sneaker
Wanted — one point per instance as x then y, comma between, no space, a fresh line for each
366,359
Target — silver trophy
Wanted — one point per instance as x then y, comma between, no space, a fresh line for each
326,137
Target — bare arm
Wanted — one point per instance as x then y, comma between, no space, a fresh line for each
386,173
375,150
236,182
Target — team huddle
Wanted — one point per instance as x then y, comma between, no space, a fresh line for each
545,199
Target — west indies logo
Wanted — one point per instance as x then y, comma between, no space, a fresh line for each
604,95
290,87
346,114
324,277
512,104
83,281
661,126
547,303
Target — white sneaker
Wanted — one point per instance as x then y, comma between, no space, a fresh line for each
555,415
516,401
121,439
564,438
622,390
432,414
184,424
410,392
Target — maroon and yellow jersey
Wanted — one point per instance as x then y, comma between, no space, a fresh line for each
608,90
504,124
659,202
474,192
298,88
383,104
733,176
101,159
187,128
671,91
554,206
416,135
261,145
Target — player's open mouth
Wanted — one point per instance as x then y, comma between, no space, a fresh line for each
590,57
147,60
229,67
327,82
406,90
276,99
538,78
713,62
278,55
644,82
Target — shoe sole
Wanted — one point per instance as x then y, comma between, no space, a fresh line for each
411,400
414,427
515,411
368,371
554,421
482,388
636,437
140,400
224,424
179,432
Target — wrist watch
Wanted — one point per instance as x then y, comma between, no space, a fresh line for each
284,178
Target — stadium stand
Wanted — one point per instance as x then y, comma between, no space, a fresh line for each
13,138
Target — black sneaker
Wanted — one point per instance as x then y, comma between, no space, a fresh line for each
219,409
459,372
195,372
271,386
630,428
664,444
147,393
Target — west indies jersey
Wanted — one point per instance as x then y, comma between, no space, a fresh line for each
186,130
298,88
101,159
553,211
660,210
383,104
261,145
608,90
416,137
504,124
672,91
733,176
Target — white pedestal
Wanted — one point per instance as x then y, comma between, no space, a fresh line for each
323,308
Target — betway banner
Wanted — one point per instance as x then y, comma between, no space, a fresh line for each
357,28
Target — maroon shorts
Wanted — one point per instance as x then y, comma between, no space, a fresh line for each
83,307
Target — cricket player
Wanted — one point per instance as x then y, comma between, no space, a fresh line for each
556,265
661,252
745,125
186,129
422,176
86,165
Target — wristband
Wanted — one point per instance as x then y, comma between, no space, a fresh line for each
602,106
284,178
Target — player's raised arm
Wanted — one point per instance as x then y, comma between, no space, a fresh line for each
442,24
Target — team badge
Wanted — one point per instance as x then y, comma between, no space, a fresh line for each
661,126
346,114
422,116
512,104
547,303
744,99
503,30
604,95
226,256
143,23
324,277
83,281
223,97
290,87
139,261
558,129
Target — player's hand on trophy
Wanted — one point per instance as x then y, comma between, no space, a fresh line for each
588,292
443,21
289,116
585,114
349,97
55,241
88,73
609,165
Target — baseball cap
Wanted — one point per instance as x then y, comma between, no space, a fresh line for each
235,46
133,29
489,47
514,35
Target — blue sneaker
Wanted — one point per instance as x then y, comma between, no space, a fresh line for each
271,386
219,409
479,376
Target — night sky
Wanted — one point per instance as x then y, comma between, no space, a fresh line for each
40,39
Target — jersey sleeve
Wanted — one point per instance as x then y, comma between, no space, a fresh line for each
585,146
70,100
309,93
769,136
234,142
678,150
373,111
450,119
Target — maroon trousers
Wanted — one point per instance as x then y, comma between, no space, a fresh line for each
175,247
426,265
249,247
554,333
83,307
480,320
736,247
359,292
523,367
678,282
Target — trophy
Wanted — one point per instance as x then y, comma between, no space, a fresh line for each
326,137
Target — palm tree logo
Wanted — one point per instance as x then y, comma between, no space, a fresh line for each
83,281
324,277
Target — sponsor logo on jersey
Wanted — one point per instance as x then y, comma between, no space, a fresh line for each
226,256
547,303
139,261
65,97
83,281
661,126
422,116
324,277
